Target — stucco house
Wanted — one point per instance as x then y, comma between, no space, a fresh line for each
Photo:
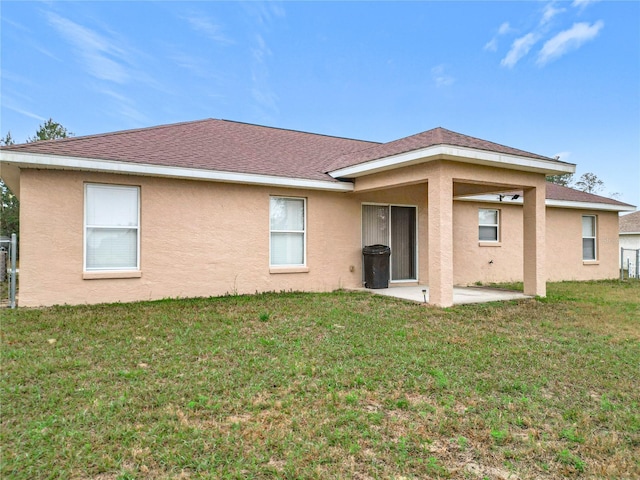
214,207
630,238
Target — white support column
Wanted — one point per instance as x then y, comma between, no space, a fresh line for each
440,210
534,227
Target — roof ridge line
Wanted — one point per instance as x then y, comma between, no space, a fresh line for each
301,131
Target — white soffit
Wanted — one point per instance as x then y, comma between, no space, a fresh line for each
448,152
31,160
507,200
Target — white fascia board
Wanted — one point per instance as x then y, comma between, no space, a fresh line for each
31,160
495,198
590,205
467,155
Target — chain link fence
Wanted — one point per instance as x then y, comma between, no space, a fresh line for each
8,271
629,263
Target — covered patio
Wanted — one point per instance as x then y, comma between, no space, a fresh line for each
461,295
453,170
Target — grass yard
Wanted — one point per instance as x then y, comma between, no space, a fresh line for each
339,385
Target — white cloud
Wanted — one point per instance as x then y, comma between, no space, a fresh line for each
492,45
519,48
208,28
265,17
261,90
124,107
441,77
24,112
264,13
195,65
582,4
568,40
504,28
101,55
549,12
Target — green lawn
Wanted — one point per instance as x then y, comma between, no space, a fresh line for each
339,385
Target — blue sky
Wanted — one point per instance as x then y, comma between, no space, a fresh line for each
549,77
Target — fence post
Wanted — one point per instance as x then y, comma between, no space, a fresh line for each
638,263
621,263
14,273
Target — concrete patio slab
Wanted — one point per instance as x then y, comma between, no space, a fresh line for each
461,295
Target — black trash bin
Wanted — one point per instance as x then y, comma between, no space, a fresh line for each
376,266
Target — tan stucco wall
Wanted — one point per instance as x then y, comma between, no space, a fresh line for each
563,245
471,258
207,239
197,239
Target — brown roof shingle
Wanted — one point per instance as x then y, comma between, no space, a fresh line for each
630,223
210,144
227,146
430,138
558,192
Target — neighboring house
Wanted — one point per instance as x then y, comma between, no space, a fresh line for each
630,238
214,207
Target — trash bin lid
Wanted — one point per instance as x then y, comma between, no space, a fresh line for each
376,250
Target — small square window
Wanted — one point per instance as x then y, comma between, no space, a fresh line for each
488,225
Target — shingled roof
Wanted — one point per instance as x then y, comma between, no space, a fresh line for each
430,138
210,144
226,146
630,223
558,192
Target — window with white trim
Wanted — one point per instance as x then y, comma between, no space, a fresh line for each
488,225
589,237
112,227
287,228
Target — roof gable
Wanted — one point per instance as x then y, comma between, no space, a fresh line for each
430,138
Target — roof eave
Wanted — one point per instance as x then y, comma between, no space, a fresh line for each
460,154
610,207
58,162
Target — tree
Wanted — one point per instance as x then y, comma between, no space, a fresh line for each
8,140
590,183
50,130
566,179
9,204
9,211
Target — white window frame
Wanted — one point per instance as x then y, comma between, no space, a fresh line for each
87,227
303,232
594,237
496,225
